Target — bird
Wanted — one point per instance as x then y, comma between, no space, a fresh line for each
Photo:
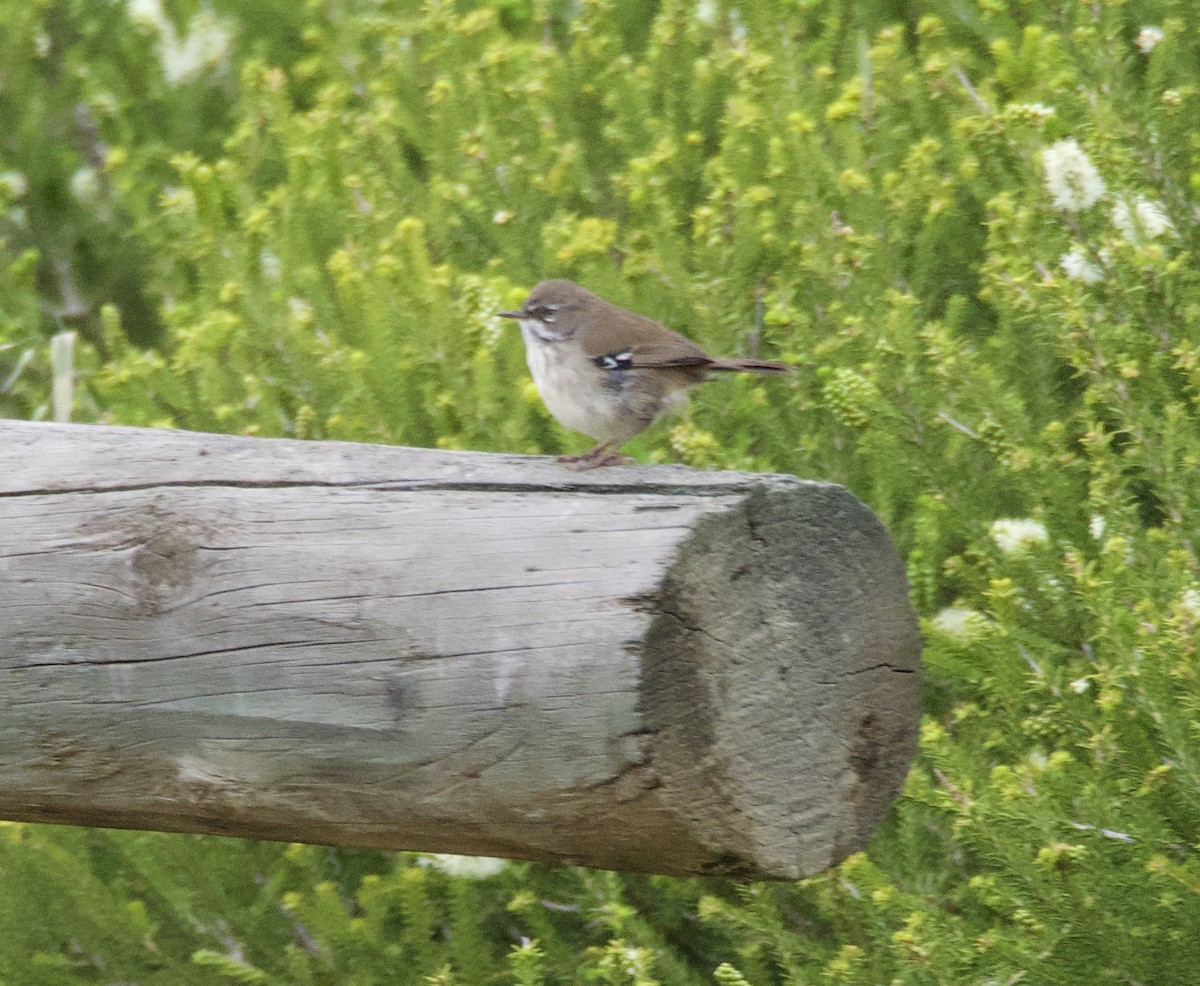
608,372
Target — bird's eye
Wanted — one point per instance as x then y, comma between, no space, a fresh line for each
546,313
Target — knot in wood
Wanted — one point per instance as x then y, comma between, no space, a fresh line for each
161,566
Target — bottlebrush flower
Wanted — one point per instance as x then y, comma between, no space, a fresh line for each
1071,178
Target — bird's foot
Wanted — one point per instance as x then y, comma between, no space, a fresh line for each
580,463
601,455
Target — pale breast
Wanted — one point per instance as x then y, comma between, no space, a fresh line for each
607,405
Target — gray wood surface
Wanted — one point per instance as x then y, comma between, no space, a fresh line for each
634,668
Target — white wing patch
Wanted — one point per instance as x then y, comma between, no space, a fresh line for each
615,361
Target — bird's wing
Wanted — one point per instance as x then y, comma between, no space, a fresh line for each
632,347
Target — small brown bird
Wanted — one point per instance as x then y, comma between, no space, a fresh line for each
609,372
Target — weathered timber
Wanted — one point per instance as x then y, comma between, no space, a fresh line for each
635,668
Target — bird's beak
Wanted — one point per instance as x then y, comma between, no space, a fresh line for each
510,314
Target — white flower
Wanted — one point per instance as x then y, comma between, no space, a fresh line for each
1078,267
1189,602
737,27
13,184
471,867
205,44
1141,220
149,13
301,311
1014,536
1148,39
1072,179
270,264
1080,685
1096,526
85,184
960,622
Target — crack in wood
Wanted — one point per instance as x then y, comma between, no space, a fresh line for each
420,485
854,672
156,658
690,627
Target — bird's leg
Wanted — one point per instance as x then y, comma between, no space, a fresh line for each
601,455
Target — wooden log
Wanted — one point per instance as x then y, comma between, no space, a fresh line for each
635,668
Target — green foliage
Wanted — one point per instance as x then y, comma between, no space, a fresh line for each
286,219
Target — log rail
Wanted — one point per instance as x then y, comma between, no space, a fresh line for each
637,668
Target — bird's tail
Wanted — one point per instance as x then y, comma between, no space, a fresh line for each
748,366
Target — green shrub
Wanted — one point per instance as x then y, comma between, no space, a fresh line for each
971,226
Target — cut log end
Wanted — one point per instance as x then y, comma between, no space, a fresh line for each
782,682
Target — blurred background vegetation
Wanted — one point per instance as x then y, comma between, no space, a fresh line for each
970,224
